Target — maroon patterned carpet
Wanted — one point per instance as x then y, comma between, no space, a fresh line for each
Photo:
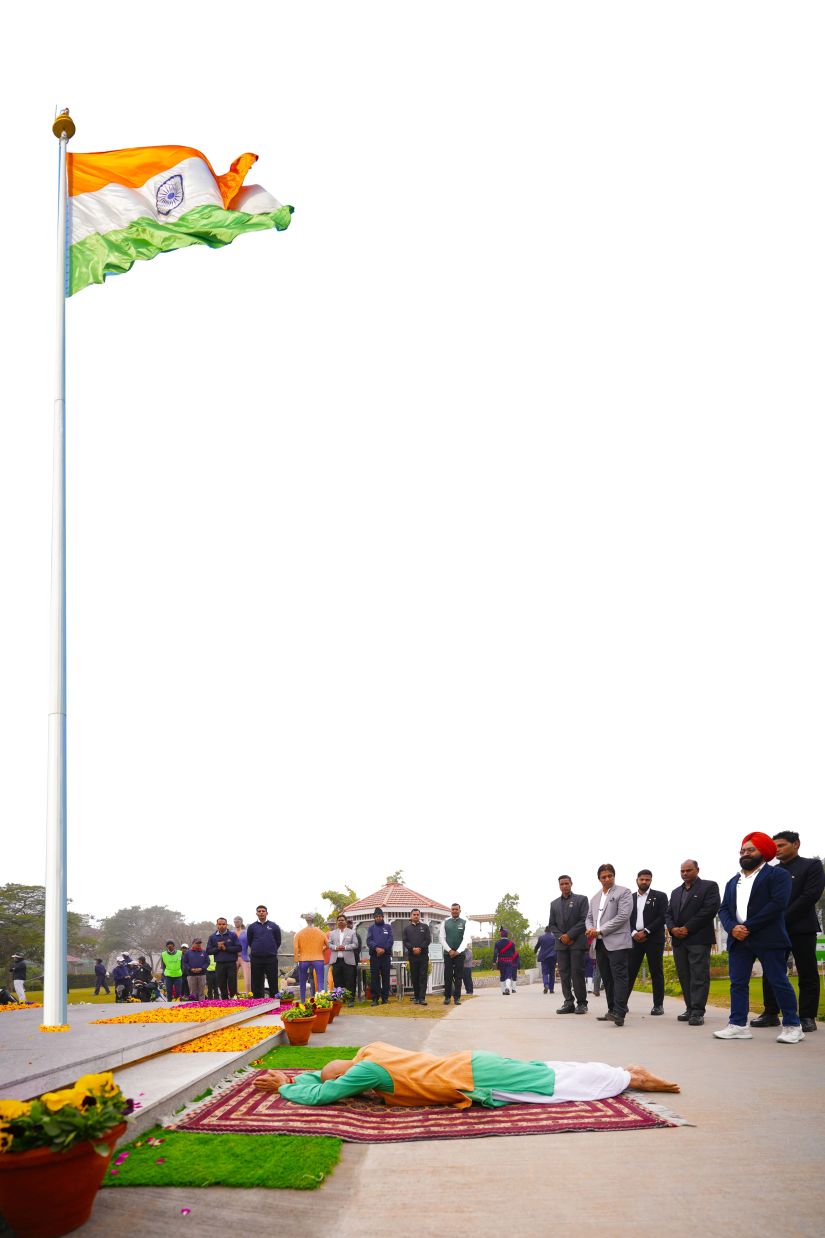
242,1110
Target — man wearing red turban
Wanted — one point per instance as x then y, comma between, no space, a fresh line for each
753,912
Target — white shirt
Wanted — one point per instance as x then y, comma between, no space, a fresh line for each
743,892
602,902
640,910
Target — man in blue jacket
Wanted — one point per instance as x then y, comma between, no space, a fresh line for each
225,947
263,941
379,944
753,912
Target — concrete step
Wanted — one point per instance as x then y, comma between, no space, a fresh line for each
32,1061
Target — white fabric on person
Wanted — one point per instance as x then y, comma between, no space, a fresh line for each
20,990
576,1081
602,905
641,900
743,893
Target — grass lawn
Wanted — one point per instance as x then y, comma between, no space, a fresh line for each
75,996
313,1057
720,995
394,1009
196,1159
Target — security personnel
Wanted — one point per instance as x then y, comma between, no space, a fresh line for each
379,944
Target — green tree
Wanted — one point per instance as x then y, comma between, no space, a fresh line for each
143,930
340,899
508,915
22,920
395,879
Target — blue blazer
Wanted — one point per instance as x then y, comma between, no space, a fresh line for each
770,896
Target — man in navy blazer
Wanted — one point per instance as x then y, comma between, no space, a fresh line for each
807,884
753,912
647,928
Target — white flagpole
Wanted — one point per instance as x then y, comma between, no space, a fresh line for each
54,979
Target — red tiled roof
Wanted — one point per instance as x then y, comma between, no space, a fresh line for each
394,896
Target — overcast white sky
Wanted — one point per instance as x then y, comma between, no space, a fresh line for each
473,526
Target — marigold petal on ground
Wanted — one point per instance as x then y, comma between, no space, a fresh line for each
226,1040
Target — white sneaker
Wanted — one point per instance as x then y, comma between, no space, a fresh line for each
734,1032
790,1035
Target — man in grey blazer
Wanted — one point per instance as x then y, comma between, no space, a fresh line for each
608,921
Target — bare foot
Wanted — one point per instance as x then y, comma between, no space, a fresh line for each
643,1081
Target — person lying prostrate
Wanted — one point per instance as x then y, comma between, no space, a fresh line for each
401,1077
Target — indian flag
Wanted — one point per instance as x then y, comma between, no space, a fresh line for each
127,206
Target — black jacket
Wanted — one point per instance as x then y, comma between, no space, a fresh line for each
416,935
653,915
694,909
571,923
808,882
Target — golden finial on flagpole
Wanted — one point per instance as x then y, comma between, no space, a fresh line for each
63,124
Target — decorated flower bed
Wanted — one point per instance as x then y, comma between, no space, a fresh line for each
7,1009
167,1014
226,1040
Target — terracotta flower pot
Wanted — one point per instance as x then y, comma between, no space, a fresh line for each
337,1007
298,1030
321,1020
44,1194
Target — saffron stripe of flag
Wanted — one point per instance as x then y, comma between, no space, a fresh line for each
127,206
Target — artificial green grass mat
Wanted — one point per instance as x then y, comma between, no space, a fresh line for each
312,1057
193,1158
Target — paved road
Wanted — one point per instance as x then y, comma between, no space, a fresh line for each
751,1164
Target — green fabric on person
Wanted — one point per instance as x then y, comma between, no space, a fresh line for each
508,1074
308,1089
192,1158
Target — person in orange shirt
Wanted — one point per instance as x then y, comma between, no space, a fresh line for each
309,948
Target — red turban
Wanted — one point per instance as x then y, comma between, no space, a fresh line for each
764,844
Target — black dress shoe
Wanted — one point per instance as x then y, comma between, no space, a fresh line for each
658,1010
567,1008
696,1020
457,1001
808,1025
766,1020
607,1018
618,1022
446,1001
683,1018
582,1009
546,989
375,1001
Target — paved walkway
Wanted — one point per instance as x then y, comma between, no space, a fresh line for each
751,1163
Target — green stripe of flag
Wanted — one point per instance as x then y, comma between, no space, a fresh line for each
113,253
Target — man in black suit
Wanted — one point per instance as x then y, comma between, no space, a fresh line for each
567,923
689,919
802,925
647,927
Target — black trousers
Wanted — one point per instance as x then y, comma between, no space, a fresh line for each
613,970
261,969
419,967
343,975
211,985
453,975
571,973
653,951
226,974
803,949
380,968
693,970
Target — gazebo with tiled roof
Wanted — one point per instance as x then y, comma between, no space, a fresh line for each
397,901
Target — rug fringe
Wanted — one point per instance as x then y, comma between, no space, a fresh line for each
191,1108
657,1108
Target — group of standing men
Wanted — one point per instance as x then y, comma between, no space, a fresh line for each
768,911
